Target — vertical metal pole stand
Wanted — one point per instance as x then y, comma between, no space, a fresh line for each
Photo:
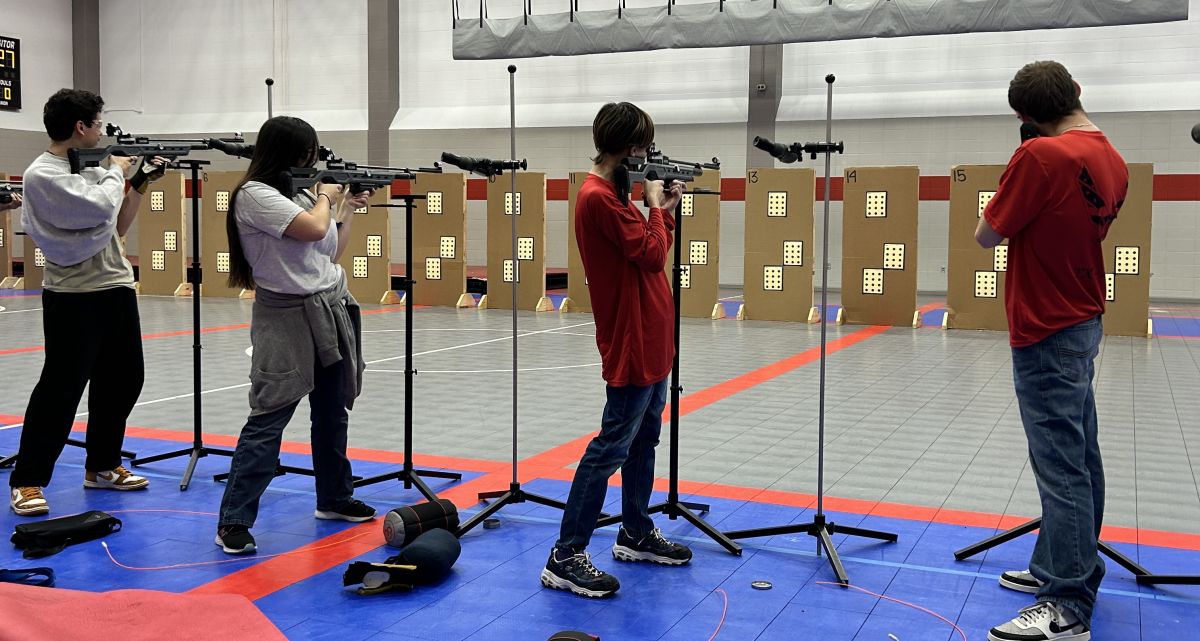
198,450
514,494
820,528
410,476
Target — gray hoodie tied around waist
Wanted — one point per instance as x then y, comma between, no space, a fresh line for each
282,365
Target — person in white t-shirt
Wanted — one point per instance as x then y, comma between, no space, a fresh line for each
89,308
285,243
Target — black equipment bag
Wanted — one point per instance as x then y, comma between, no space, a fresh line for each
403,525
52,535
425,561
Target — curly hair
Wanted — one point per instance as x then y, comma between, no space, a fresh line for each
67,107
1043,91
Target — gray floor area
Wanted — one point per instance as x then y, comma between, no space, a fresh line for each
922,417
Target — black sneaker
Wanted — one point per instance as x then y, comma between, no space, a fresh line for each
653,548
235,539
355,511
576,574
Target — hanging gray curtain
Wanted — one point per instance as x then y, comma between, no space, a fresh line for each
760,22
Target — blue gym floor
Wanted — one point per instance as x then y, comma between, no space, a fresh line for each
494,593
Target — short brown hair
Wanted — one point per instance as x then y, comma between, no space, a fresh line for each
1043,91
620,125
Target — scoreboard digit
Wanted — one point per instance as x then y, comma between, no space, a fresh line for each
10,73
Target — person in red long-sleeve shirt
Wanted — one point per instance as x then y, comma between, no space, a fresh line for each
624,253
1056,200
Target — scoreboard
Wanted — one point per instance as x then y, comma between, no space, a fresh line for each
10,73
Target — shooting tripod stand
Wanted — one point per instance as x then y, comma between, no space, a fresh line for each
819,527
1140,574
198,450
410,476
672,506
515,493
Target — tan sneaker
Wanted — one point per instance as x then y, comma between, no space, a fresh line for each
118,478
28,501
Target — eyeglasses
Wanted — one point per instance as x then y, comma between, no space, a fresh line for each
96,124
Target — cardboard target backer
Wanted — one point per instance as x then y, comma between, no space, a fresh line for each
578,298
367,257
34,264
779,244
162,237
700,257
975,276
217,195
879,245
1127,258
527,270
439,239
6,243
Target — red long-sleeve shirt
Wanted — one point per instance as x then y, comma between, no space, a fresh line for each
623,257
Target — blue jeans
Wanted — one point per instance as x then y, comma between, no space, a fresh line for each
257,452
1053,380
628,434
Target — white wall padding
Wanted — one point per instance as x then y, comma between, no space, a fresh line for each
761,22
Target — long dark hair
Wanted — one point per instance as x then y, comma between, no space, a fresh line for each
282,143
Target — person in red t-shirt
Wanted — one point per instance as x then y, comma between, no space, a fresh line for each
623,253
1056,200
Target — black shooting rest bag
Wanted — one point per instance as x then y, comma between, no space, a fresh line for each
44,538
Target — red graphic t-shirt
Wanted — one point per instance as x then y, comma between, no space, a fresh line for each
623,256
1055,203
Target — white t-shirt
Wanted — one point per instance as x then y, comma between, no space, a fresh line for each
279,263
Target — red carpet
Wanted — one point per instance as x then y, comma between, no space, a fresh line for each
50,614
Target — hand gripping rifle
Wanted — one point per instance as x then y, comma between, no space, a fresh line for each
657,166
7,190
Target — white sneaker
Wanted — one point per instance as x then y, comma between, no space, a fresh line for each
1021,581
1042,621
28,501
117,478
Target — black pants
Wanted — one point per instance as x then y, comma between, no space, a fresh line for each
91,337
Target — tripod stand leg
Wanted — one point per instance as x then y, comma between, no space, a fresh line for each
1003,537
548,502
835,561
702,508
8,461
161,457
681,510
415,481
1124,561
505,499
191,467
870,534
